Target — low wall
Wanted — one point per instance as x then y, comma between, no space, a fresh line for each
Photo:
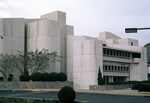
110,87
35,85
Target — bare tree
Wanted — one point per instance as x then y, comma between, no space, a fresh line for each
18,62
6,64
37,61
40,60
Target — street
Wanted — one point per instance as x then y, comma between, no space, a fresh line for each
90,97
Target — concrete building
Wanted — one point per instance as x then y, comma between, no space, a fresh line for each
119,59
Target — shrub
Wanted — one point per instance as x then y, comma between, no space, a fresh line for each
145,88
54,76
24,77
115,83
128,82
141,87
132,82
100,79
145,81
66,95
46,77
36,76
62,76
10,77
136,86
1,78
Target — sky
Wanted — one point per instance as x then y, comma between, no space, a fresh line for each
89,17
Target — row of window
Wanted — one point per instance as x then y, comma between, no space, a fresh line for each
115,68
115,53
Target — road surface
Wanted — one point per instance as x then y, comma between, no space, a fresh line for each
89,97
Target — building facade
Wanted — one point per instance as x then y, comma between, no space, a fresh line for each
119,59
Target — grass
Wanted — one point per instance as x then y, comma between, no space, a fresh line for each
16,100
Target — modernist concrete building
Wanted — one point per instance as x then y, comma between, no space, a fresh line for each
119,59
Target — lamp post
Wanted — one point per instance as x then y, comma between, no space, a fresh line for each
134,30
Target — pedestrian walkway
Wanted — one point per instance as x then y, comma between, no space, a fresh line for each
127,92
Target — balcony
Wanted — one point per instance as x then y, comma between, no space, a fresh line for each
116,59
124,74
136,60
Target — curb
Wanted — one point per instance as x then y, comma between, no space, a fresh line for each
87,91
142,94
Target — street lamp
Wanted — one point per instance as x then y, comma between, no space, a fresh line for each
134,30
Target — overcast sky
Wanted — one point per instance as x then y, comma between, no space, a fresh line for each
89,17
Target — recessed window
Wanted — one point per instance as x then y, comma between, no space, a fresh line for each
124,68
110,52
112,68
104,52
106,67
131,43
107,52
127,68
109,68
118,68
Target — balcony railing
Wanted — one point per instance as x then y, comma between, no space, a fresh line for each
136,60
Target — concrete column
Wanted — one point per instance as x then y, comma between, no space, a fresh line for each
110,79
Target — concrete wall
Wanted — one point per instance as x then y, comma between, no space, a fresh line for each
110,87
128,41
139,70
45,34
35,85
83,60
58,16
12,30
50,33
107,35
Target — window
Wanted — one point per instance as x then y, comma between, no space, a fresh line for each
123,54
107,52
136,55
112,68
127,69
118,68
106,67
114,53
120,53
128,55
104,52
131,43
110,52
121,69
115,68
124,68
109,68
117,54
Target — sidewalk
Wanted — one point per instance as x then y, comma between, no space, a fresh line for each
118,92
